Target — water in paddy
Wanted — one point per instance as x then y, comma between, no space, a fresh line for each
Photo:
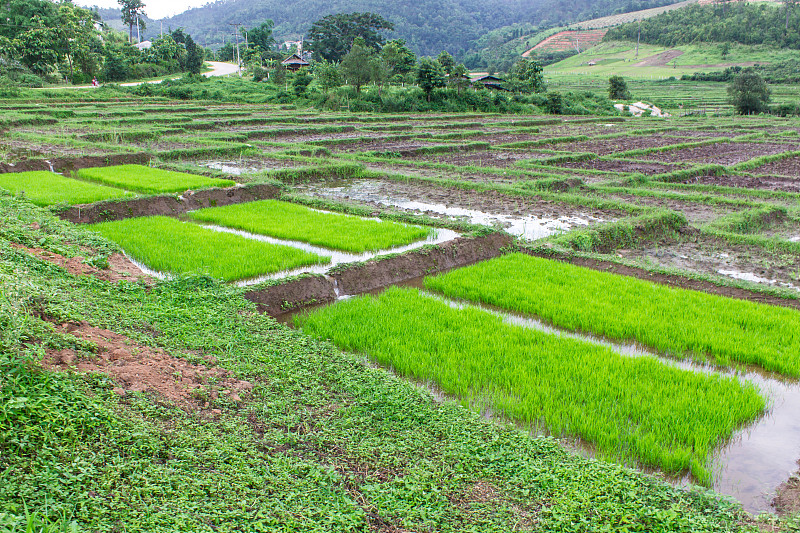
529,227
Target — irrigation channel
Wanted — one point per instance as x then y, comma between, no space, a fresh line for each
748,467
529,227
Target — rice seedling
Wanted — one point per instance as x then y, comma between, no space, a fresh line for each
149,180
168,245
285,220
678,322
628,407
47,188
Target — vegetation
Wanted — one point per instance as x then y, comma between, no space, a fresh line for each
148,179
748,93
168,245
676,322
618,89
285,220
48,188
332,37
627,407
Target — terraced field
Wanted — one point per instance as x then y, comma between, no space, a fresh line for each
674,324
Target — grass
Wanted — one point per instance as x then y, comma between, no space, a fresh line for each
149,180
168,245
285,220
678,322
44,188
628,407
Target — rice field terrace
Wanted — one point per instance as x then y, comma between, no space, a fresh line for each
293,320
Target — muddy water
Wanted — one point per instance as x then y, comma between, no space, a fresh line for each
749,466
247,166
529,227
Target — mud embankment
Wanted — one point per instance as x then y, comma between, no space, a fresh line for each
68,164
377,273
168,205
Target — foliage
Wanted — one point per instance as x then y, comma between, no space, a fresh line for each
527,76
167,245
446,61
356,66
677,322
331,37
48,188
132,15
398,57
618,89
194,56
554,104
628,407
748,93
327,75
289,221
300,82
148,179
430,76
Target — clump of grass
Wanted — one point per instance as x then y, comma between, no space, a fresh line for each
285,220
678,322
47,188
149,180
168,245
629,407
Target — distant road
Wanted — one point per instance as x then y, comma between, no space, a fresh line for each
217,69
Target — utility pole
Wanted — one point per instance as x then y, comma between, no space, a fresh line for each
138,35
162,28
238,57
638,36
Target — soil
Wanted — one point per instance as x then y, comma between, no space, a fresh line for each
168,205
789,167
695,212
724,153
292,295
769,183
404,148
619,166
119,267
236,167
138,368
613,146
485,158
787,498
68,164
671,280
660,60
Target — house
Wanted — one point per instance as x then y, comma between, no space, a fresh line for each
592,63
144,45
294,62
490,82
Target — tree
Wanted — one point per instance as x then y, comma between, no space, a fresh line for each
357,64
333,36
748,93
429,76
194,56
458,78
398,57
261,36
328,75
446,61
300,83
132,15
527,76
617,88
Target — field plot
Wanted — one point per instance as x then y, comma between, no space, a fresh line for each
629,408
149,180
284,220
168,245
724,153
47,188
676,322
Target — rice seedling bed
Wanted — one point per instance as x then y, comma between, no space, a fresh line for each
677,322
44,188
168,245
628,407
284,220
149,180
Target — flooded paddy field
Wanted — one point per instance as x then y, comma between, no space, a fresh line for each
627,192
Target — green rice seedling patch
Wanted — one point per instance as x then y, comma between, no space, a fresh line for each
168,245
149,180
284,220
47,188
678,322
628,407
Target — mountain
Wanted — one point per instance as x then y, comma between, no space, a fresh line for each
429,26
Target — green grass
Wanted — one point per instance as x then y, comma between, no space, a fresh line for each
678,322
629,407
285,220
47,188
168,245
149,180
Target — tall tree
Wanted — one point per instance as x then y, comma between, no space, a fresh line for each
194,56
261,35
333,36
357,65
430,76
132,13
458,78
749,94
398,57
446,61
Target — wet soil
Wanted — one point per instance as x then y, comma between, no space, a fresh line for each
485,158
724,153
619,166
119,267
746,181
695,212
237,167
403,148
68,164
138,368
787,498
613,146
789,167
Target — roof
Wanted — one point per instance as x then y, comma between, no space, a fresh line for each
294,59
484,79
144,45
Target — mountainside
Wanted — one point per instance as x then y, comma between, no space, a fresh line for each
428,26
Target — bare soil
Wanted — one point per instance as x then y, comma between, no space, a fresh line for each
769,183
613,146
68,164
789,167
787,498
695,212
725,153
485,158
619,166
119,267
660,60
138,368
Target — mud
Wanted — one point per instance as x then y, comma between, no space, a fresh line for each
606,165
485,158
138,368
119,267
768,183
237,167
168,205
787,497
788,167
724,153
695,212
613,146
377,273
68,164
